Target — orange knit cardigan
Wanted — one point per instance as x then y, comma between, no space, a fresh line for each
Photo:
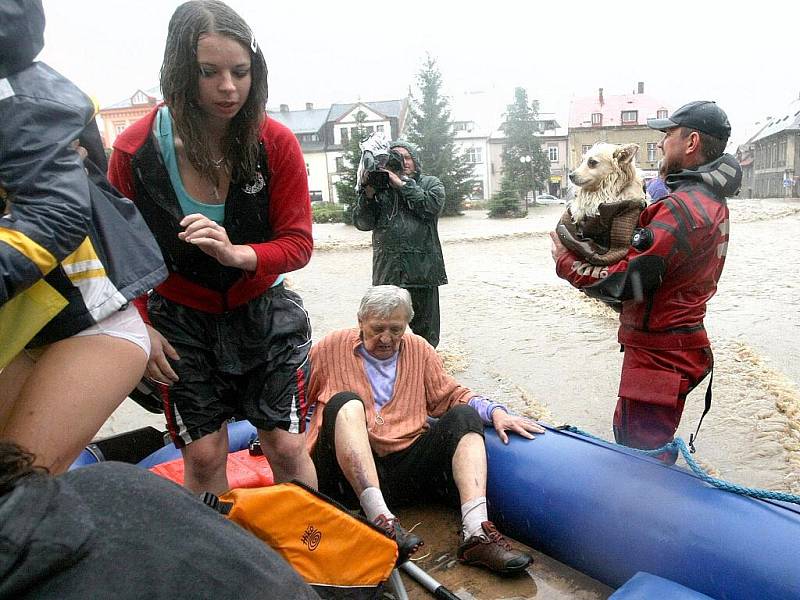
422,388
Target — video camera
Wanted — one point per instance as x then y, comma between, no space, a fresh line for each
376,156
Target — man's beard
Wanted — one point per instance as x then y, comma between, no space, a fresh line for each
668,168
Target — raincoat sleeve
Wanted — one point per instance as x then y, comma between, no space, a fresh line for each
642,269
365,212
426,198
120,174
49,210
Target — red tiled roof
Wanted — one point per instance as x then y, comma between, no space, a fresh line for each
581,109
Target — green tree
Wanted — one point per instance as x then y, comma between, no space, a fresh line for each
521,125
348,174
431,131
506,202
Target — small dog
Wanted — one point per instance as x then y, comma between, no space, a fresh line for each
600,218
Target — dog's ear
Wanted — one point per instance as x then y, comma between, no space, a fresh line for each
624,154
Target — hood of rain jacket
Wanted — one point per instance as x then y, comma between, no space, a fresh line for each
69,241
21,34
723,176
414,152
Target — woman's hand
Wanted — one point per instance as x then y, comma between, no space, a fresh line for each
158,367
523,426
212,239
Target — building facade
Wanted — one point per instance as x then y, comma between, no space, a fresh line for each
473,141
616,119
117,117
553,142
324,134
775,155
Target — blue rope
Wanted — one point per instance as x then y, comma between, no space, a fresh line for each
678,445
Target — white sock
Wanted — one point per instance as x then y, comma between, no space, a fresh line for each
473,513
371,500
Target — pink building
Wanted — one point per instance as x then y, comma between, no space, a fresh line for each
117,117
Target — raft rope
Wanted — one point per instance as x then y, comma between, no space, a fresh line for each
678,445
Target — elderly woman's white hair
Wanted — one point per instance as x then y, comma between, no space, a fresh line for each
383,300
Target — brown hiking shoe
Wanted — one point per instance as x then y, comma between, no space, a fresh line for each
407,542
493,551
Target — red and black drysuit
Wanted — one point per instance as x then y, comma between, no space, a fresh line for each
663,284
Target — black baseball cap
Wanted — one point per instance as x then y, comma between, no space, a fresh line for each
703,115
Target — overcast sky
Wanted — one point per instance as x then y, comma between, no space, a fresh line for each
322,52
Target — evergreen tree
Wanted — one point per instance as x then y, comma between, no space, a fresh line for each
506,202
348,175
520,127
431,131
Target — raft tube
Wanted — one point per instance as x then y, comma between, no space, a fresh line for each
240,433
610,512
644,586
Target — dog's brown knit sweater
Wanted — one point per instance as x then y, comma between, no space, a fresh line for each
603,239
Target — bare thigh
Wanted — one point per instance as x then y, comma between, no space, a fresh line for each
55,405
12,378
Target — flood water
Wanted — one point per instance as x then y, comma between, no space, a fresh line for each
513,331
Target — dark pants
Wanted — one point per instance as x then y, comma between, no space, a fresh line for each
652,393
249,362
422,471
425,323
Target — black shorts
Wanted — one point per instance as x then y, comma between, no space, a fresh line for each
250,362
423,471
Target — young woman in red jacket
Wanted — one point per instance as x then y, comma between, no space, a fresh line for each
225,192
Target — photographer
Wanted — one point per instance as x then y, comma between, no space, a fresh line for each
402,208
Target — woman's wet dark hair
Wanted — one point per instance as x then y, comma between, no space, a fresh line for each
180,74
15,464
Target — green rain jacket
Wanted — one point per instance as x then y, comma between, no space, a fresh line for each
405,240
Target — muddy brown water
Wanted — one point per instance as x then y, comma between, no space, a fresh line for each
513,331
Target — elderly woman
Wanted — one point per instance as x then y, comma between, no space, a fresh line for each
374,388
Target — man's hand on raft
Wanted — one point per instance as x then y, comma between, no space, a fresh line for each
523,426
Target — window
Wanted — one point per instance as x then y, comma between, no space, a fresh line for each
585,149
552,153
119,127
651,152
460,126
370,129
597,118
140,98
315,195
339,164
474,155
379,128
661,114
630,116
345,137
355,133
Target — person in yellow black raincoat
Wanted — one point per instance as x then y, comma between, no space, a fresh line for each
73,254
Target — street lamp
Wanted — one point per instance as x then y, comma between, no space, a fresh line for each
528,160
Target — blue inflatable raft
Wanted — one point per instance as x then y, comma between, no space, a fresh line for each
611,512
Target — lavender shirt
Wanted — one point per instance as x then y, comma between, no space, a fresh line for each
382,375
